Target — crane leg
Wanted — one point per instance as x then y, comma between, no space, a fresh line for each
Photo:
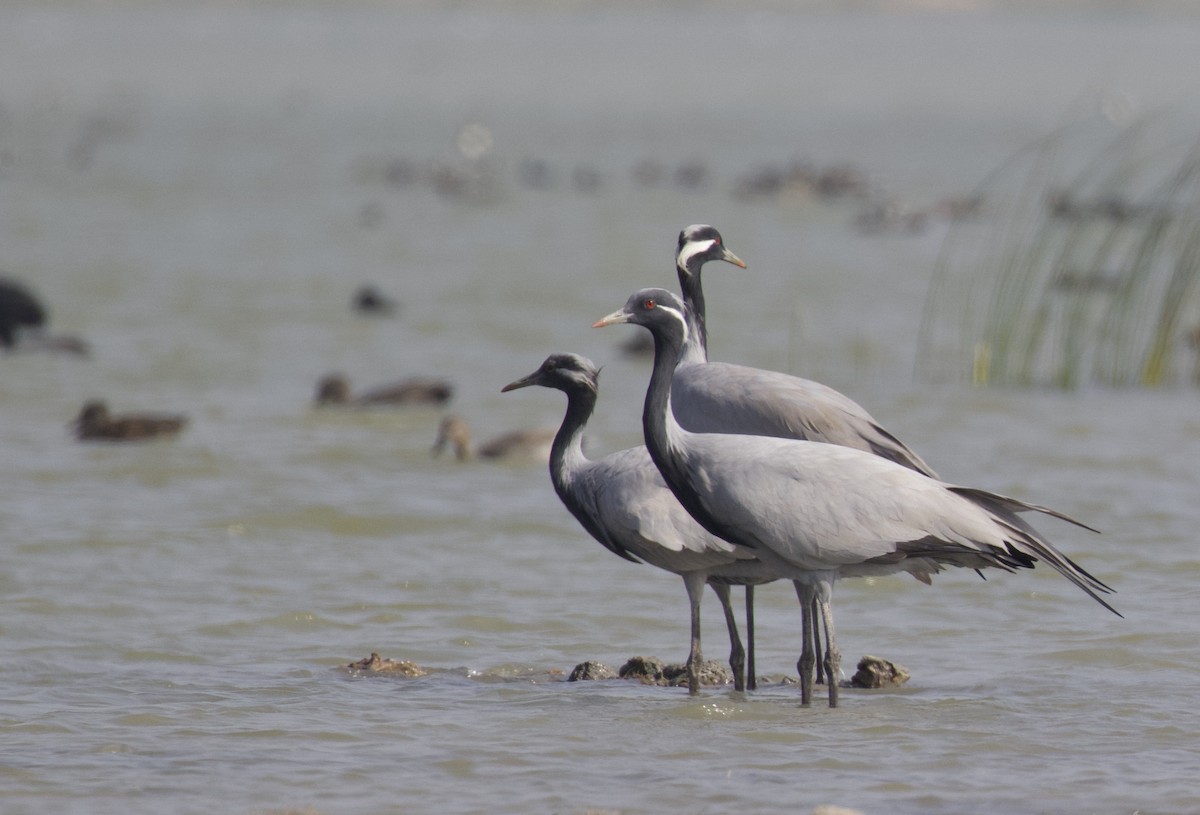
751,676
816,615
737,654
833,654
695,590
808,657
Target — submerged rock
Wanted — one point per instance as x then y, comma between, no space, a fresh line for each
652,671
378,665
648,670
876,672
712,672
586,671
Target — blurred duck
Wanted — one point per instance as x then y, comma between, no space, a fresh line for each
370,301
334,389
94,423
23,320
456,433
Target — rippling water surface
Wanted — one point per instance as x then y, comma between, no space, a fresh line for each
198,190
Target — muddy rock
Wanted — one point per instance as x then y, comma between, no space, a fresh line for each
590,670
712,672
648,670
875,672
377,664
652,671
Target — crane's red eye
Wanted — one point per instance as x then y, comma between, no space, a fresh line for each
648,303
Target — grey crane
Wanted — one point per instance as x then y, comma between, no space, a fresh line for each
720,397
815,512
623,502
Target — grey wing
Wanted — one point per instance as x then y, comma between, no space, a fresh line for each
1030,543
1014,505
834,507
717,397
820,506
831,506
639,515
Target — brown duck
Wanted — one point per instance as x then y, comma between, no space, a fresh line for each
454,432
94,423
334,389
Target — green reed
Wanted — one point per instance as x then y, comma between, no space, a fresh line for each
1085,272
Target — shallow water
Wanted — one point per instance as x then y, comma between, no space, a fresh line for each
199,190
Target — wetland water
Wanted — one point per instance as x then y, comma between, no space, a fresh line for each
198,190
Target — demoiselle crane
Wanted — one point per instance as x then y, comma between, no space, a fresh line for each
623,502
815,512
720,397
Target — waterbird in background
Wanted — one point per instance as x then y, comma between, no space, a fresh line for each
18,308
334,389
623,502
23,320
454,432
720,397
370,301
815,512
95,423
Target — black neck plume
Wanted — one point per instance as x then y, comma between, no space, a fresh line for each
693,298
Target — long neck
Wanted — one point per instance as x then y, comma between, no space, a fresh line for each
668,442
566,454
695,346
567,463
664,437
656,411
